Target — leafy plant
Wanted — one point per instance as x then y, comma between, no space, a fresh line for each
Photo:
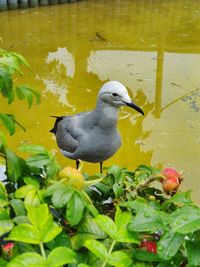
119,218
11,65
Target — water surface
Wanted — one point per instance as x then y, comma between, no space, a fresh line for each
153,47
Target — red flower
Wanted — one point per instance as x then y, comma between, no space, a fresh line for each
8,247
149,246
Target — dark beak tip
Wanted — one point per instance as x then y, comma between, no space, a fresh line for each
134,106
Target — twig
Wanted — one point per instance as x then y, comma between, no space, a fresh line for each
152,178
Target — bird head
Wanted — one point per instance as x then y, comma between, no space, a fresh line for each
115,94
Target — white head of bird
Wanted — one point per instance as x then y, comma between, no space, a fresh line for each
115,94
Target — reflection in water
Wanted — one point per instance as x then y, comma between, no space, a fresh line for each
55,63
153,47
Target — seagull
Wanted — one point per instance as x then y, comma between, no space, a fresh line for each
92,136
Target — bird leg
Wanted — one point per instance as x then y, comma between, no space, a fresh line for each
77,164
101,166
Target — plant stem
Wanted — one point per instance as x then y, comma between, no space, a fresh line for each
109,252
152,178
42,250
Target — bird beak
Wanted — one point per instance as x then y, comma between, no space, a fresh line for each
134,106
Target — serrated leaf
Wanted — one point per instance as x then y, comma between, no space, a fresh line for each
179,199
62,196
60,240
169,244
116,171
61,256
6,84
192,249
14,165
185,220
122,218
89,226
107,225
5,226
75,209
42,220
18,207
50,190
28,259
119,259
96,247
33,149
24,190
25,233
38,161
11,64
24,91
38,216
148,220
8,122
78,240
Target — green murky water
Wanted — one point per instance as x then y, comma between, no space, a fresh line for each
153,47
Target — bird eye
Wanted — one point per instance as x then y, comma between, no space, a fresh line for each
114,94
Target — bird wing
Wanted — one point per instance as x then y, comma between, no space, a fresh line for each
66,139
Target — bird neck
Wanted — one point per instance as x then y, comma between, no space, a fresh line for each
106,115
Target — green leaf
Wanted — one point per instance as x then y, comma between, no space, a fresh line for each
3,262
24,190
97,248
5,226
3,142
25,233
22,60
14,165
83,265
107,225
60,256
122,218
11,64
179,199
18,207
148,220
60,240
3,196
24,91
28,259
8,122
21,219
42,220
89,226
33,181
62,196
33,149
38,161
146,256
78,240
50,190
39,216
185,220
75,209
119,259
169,244
193,248
116,171
137,205
6,84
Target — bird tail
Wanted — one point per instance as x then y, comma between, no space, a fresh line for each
55,127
